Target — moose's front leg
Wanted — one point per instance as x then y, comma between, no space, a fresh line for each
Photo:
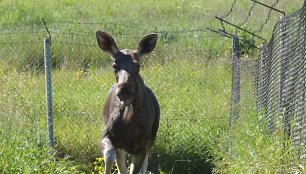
109,153
137,162
120,160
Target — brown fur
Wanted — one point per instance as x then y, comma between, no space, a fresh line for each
131,111
132,129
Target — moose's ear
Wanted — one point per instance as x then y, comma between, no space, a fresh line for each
147,44
106,43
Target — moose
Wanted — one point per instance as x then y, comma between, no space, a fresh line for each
131,112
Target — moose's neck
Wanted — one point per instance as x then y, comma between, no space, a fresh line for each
139,93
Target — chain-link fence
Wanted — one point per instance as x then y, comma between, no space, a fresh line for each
243,100
281,79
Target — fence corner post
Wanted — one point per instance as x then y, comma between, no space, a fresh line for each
47,54
235,98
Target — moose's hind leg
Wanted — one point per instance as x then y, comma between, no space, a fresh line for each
144,166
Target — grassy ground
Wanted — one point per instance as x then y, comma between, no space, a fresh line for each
195,104
253,150
189,73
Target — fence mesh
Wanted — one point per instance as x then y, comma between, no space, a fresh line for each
21,47
281,80
193,89
22,99
176,72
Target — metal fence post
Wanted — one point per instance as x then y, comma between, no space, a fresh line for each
235,79
47,46
304,117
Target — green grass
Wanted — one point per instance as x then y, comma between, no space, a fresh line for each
190,100
253,150
22,19
193,138
23,134
189,73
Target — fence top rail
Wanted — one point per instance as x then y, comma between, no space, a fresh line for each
242,29
272,8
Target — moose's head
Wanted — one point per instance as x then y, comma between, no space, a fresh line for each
126,63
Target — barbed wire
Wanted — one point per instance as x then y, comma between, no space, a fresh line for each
58,31
250,11
267,18
75,43
246,20
21,32
230,10
195,119
21,27
248,16
20,43
227,14
162,34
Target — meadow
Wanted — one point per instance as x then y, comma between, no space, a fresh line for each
192,114
190,73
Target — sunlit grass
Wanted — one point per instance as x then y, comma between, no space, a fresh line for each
250,148
189,109
23,145
194,95
186,91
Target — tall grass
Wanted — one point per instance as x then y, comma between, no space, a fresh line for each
173,19
186,91
23,145
250,148
188,104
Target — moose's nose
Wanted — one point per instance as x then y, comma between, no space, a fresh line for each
123,92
